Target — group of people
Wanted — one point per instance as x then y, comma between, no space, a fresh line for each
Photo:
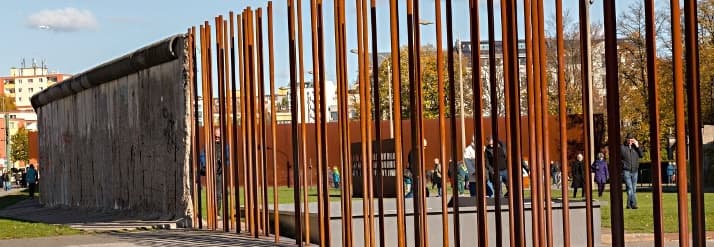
25,179
496,166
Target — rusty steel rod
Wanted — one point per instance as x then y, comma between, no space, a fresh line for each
442,124
482,216
273,124
613,123
506,35
691,37
293,123
586,80
545,188
454,158
362,32
228,169
532,69
680,127
397,120
343,122
325,221
263,120
419,96
244,143
369,176
415,152
220,60
303,126
195,137
563,119
513,94
317,120
654,120
259,118
234,130
253,124
377,124
207,103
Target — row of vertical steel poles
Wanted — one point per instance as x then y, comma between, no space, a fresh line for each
247,166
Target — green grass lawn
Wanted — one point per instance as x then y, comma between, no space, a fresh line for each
11,228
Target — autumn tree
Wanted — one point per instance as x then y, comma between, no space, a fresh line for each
20,148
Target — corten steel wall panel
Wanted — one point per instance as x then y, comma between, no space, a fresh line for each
284,150
121,144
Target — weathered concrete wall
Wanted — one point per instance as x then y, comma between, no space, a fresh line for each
122,143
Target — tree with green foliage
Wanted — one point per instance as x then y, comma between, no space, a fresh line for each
20,148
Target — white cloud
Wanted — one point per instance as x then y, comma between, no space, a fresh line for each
63,20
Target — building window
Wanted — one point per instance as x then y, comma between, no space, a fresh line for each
12,90
19,99
41,88
29,80
19,90
31,90
41,79
19,80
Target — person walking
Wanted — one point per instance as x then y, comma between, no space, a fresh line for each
497,152
631,155
8,183
31,179
555,173
578,175
336,177
599,167
436,177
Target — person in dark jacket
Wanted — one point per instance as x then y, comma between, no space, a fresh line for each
631,155
599,167
578,175
498,152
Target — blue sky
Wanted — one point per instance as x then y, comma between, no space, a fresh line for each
75,35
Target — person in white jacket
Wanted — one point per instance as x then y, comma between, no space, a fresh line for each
470,160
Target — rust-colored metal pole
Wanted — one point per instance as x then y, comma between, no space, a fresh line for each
364,111
694,122
325,199
195,137
221,61
263,120
515,181
586,79
228,169
377,124
563,120
613,123
534,120
345,153
442,125
477,88
208,124
245,154
303,126
317,121
414,99
397,116
273,124
655,131
421,174
452,108
544,163
293,122
680,127
507,103
234,130
258,117
253,124
368,162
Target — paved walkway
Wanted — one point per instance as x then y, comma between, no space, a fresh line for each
160,238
